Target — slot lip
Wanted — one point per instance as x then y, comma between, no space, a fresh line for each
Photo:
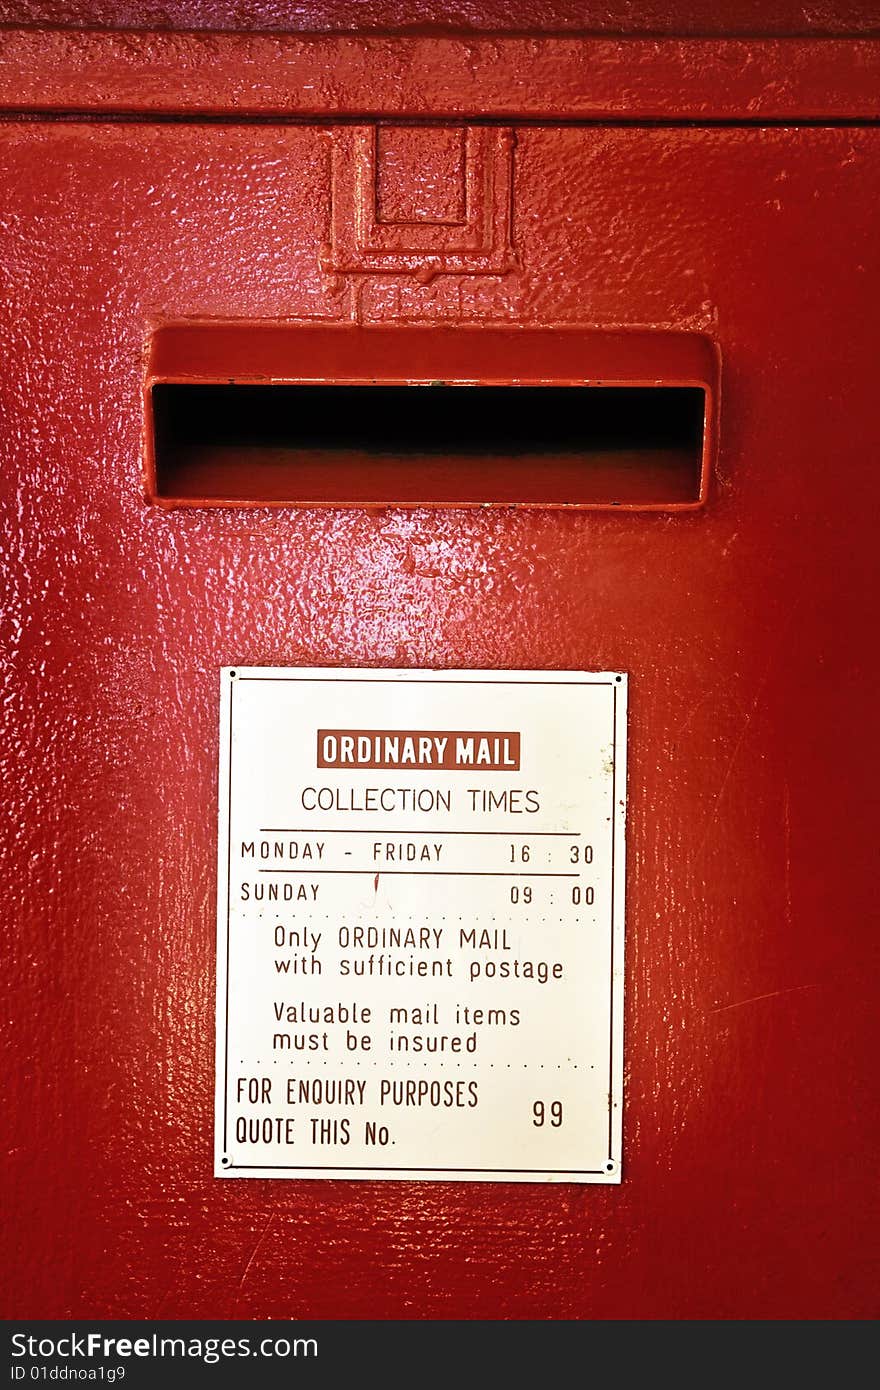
217,353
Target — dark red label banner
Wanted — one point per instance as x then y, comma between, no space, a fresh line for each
453,750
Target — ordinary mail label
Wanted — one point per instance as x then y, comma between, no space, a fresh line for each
420,925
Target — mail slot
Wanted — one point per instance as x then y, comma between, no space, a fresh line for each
439,506
263,416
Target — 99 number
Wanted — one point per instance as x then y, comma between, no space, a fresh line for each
540,1114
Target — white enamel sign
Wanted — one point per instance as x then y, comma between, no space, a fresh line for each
420,925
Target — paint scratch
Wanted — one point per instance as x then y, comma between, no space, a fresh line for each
731,761
163,1300
748,716
786,819
756,998
247,1269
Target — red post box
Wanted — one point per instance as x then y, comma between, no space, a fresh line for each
218,248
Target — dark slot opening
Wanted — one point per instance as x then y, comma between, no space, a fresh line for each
428,445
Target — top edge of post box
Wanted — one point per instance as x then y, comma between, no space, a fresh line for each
237,76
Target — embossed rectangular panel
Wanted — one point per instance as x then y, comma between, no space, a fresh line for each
420,174
425,201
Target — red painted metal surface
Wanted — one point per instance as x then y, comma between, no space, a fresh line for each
748,629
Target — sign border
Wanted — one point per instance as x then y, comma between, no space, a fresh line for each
611,1173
